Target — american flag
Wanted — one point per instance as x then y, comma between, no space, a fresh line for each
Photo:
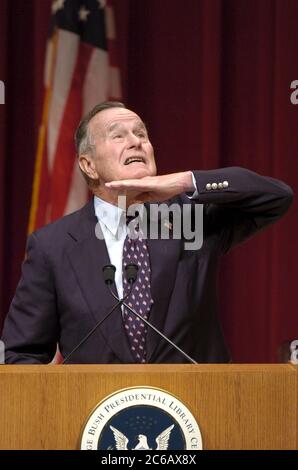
80,71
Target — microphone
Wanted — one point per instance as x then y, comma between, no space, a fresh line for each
109,279
109,273
133,268
131,271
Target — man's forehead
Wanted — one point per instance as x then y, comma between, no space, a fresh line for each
114,117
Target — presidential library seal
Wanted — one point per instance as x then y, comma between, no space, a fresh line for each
141,418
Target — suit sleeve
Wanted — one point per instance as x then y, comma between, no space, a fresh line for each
239,202
30,331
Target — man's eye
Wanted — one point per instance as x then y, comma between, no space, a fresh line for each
117,136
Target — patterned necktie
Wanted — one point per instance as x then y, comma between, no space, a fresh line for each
136,251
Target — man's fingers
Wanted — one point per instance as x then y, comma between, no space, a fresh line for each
128,184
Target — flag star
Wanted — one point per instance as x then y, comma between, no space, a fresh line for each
83,13
57,5
101,4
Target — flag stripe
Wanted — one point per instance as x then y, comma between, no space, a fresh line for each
115,83
43,196
67,55
40,168
96,86
110,23
61,174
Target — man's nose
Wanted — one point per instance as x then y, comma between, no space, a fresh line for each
134,140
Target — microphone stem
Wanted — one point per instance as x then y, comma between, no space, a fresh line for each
190,359
95,328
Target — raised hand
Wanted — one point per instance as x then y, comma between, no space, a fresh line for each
155,188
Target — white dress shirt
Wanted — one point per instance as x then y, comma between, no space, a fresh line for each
113,225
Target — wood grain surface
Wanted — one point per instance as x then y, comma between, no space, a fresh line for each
236,406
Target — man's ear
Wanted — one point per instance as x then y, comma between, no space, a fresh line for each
86,163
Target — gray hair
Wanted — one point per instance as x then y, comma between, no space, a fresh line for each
83,138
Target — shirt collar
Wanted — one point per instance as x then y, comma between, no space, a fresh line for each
108,214
111,216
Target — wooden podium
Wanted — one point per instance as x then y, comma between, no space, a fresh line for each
236,406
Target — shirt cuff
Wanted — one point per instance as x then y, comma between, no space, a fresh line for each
195,194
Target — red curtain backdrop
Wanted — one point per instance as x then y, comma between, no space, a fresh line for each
212,82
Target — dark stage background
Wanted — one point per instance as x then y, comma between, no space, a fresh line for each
211,78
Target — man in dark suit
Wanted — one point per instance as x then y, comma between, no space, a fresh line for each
61,294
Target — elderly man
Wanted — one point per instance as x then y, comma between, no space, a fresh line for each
62,296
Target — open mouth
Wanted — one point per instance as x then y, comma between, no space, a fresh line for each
130,160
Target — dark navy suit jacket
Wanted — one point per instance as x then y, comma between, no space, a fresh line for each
61,294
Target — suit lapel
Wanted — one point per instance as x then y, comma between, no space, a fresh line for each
87,257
